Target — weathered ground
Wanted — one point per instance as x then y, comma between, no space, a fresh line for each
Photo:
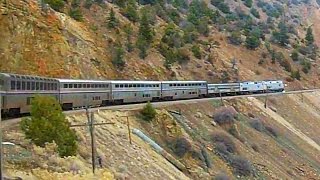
293,153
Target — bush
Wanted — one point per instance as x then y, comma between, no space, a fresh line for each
235,38
196,51
252,42
272,131
182,55
117,57
295,55
47,124
223,143
255,13
225,115
76,14
148,112
55,4
257,125
248,3
241,166
181,147
295,75
306,66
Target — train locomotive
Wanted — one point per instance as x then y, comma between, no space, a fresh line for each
17,91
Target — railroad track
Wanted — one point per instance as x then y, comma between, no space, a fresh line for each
166,103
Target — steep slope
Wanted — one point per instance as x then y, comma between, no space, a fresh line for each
35,39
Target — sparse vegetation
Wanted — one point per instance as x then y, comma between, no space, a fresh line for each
295,55
117,56
148,112
48,124
309,36
295,75
272,131
225,115
223,143
235,38
181,147
222,176
241,166
257,125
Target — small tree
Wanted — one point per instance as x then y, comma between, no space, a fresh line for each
252,42
295,55
148,112
117,56
47,124
112,20
296,74
131,11
235,38
76,14
309,36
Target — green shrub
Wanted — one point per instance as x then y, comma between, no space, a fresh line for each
296,75
295,55
112,21
55,4
255,13
148,112
117,57
182,55
248,3
235,38
252,42
47,124
306,66
225,115
76,14
196,51
257,125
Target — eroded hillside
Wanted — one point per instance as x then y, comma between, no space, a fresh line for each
236,138
181,40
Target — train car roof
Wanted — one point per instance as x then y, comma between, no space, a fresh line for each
81,81
233,83
183,81
134,82
9,75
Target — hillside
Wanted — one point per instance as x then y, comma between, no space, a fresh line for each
179,39
239,139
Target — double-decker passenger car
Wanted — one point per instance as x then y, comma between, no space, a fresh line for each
183,89
135,91
223,89
83,93
20,89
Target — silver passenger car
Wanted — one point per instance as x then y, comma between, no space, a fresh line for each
183,89
222,89
21,89
135,91
82,93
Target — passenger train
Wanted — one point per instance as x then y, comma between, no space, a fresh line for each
17,91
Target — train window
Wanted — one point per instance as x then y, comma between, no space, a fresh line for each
55,85
13,85
33,86
134,85
37,85
70,86
138,85
126,85
121,85
135,94
75,85
117,85
28,85
170,84
79,85
41,86
23,85
18,85
65,86
130,85
142,85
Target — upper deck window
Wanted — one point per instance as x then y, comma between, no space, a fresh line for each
13,85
